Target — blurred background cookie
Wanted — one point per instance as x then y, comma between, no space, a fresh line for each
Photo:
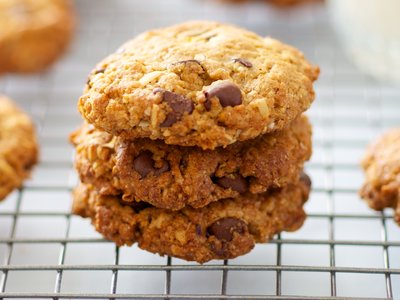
18,146
34,33
382,170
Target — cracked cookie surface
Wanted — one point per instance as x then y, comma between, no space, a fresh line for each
18,146
382,171
221,230
174,176
200,84
34,33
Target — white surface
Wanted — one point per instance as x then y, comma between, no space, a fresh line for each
350,110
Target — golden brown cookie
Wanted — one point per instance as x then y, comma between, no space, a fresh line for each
18,147
34,33
382,170
222,230
172,177
200,84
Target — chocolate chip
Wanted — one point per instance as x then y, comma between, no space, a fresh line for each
179,105
227,93
244,62
224,228
144,165
237,183
305,179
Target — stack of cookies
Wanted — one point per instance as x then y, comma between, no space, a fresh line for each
194,141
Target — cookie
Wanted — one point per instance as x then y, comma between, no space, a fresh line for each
34,33
200,84
172,177
18,147
221,230
382,170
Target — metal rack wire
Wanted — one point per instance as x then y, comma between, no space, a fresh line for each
344,251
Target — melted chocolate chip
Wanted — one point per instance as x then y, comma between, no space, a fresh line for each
305,179
144,165
223,229
179,105
237,183
243,62
227,93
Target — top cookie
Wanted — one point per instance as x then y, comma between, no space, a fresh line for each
18,146
198,84
34,33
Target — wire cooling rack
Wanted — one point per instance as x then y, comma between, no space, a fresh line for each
344,249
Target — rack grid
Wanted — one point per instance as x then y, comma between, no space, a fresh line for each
343,251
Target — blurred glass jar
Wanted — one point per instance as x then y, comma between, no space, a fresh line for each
370,33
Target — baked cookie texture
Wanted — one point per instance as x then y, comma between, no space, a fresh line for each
18,147
34,33
382,170
200,84
222,230
172,177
